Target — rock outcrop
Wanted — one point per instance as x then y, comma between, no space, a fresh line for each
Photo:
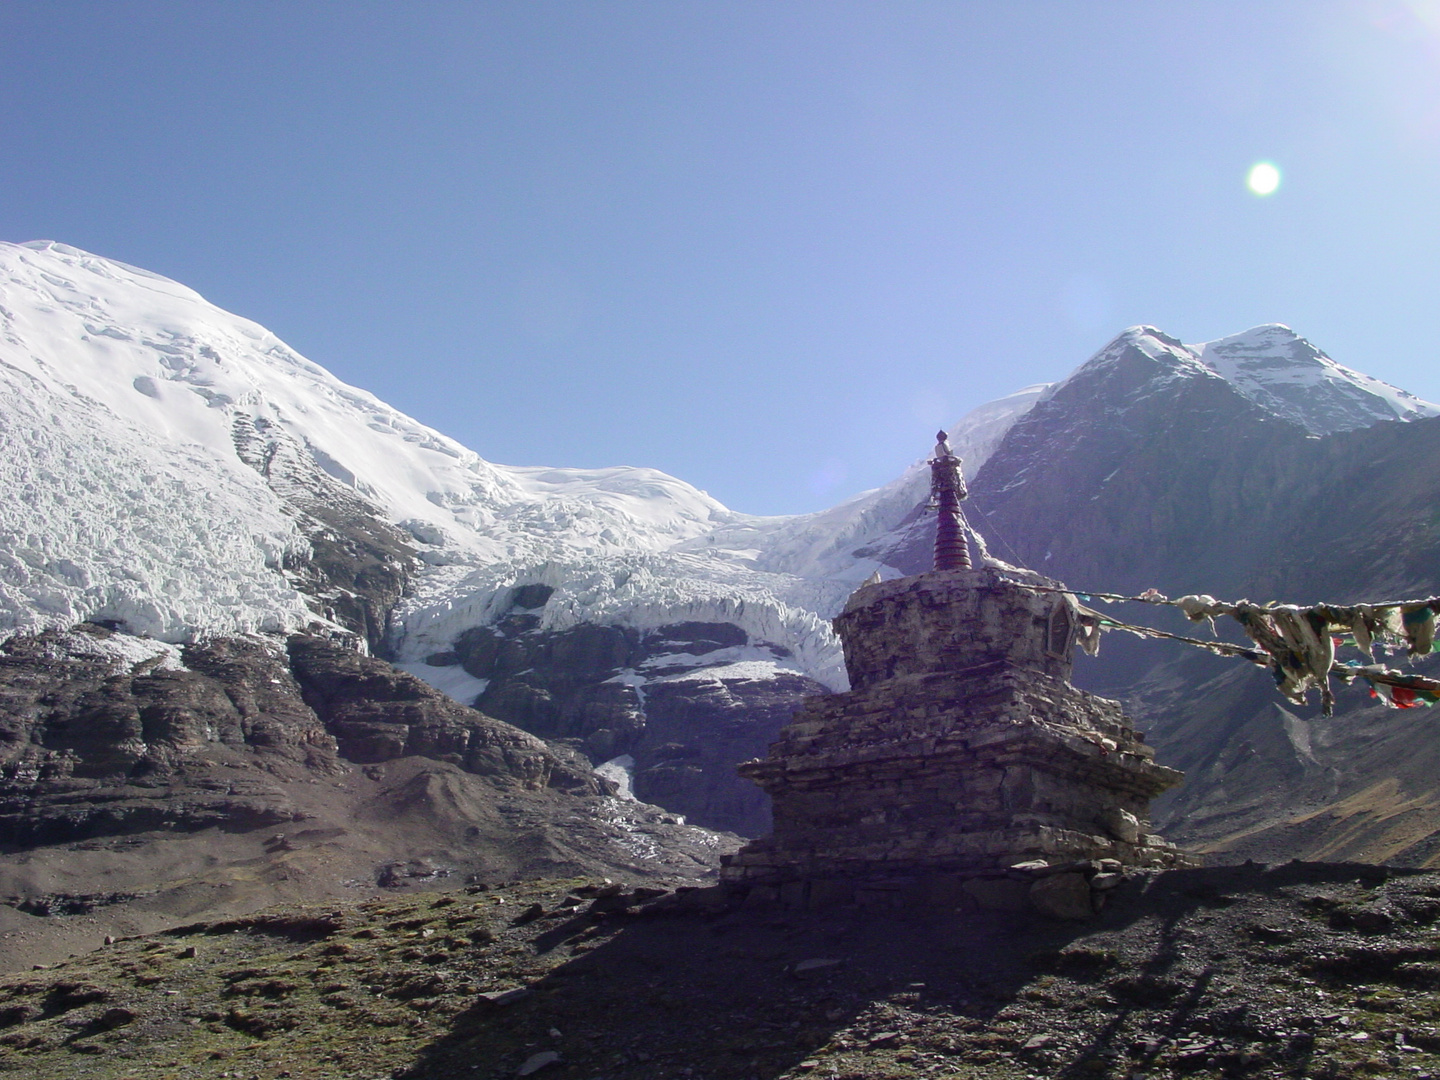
359,565
377,713
104,734
667,698
94,744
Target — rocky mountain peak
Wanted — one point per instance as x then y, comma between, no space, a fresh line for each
1138,362
1269,365
1285,374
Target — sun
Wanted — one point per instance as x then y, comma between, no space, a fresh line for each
1263,178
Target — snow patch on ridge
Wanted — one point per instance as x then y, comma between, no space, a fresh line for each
453,681
1273,367
620,771
125,653
1287,375
756,670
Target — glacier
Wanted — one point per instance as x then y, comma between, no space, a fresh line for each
128,443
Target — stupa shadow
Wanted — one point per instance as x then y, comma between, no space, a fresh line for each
855,991
749,993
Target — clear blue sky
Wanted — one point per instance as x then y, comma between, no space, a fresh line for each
766,247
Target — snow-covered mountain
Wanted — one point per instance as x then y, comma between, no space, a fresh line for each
1270,366
159,452
175,471
1276,369
163,458
1288,376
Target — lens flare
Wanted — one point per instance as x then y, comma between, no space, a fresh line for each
1263,178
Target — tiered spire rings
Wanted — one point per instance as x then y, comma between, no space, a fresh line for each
947,488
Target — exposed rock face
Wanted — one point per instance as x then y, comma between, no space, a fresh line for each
685,727
359,564
94,742
90,747
697,730
961,749
377,713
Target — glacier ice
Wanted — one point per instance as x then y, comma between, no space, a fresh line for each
130,406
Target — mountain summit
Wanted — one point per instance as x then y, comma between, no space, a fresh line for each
1271,366
1288,376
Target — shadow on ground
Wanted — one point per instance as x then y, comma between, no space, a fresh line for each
1188,969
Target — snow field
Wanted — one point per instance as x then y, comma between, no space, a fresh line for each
100,523
122,395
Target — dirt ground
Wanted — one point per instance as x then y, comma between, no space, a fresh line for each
365,831
1299,970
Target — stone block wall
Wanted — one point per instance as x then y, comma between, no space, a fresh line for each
952,620
961,752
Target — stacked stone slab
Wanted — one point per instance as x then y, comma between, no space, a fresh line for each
961,757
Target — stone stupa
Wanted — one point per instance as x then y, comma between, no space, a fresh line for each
962,765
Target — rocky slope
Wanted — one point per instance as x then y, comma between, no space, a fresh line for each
1301,970
674,708
140,783
97,744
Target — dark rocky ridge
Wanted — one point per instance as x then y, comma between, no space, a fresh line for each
137,796
90,749
686,735
87,750
359,565
377,714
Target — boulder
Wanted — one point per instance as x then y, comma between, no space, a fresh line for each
1062,896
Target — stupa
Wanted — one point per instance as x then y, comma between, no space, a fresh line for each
961,764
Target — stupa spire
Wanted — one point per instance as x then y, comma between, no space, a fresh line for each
947,488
